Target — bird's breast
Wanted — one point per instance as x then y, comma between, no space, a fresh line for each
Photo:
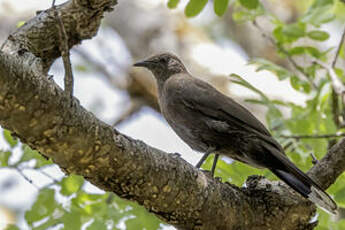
185,123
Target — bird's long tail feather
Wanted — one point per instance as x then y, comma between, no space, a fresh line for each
305,186
300,181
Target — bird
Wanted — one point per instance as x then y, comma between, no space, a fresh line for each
211,122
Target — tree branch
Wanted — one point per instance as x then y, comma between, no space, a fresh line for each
327,170
37,110
335,135
40,114
338,86
63,39
334,62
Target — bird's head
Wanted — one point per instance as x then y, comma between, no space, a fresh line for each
163,65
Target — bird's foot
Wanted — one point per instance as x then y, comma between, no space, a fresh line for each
175,155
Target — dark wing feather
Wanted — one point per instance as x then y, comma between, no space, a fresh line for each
205,98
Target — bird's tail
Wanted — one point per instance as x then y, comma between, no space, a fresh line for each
305,186
300,181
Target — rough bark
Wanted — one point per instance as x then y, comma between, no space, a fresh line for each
38,111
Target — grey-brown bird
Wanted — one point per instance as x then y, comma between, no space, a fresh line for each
211,122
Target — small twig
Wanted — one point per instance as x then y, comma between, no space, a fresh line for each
54,180
338,49
288,145
110,198
315,160
26,178
101,68
337,85
134,108
335,109
289,58
64,49
313,136
15,167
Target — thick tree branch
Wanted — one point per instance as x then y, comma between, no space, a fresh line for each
39,113
37,110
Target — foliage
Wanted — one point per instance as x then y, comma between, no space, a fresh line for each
66,203
87,210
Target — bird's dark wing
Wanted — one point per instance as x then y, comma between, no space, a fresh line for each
203,97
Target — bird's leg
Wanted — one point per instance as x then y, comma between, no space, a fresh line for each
202,160
204,157
216,156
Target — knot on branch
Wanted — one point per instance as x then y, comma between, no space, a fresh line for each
274,200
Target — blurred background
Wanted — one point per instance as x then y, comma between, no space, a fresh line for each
246,41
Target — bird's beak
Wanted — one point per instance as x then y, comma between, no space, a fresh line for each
143,63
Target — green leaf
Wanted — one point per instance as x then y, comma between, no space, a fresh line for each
173,3
142,219
20,24
12,227
83,199
318,35
220,6
294,81
9,139
300,85
4,156
314,52
263,64
71,184
278,34
72,220
47,224
237,79
242,14
81,68
43,207
194,7
249,4
289,33
319,13
321,3
97,225
341,53
298,50
340,73
29,154
294,31
309,50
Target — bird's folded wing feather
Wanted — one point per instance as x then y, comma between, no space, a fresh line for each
207,100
